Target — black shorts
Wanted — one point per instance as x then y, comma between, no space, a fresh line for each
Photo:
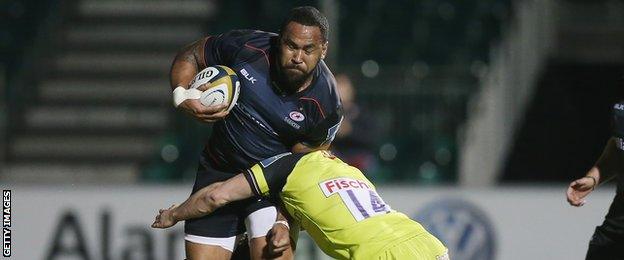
227,221
608,239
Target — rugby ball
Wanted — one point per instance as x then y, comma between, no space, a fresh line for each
218,84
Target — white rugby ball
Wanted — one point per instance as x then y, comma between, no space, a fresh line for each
219,85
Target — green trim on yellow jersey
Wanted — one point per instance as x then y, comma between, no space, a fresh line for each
261,183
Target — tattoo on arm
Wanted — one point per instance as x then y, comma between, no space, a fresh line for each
192,52
187,63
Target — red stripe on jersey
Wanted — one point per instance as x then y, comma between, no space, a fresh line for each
317,104
266,57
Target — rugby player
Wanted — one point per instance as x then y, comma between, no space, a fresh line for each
608,239
332,201
288,102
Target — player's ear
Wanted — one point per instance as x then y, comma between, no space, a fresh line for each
324,47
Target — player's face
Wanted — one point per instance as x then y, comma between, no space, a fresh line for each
301,49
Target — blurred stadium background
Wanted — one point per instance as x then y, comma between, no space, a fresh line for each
473,116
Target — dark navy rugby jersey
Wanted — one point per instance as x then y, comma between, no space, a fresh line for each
618,134
264,121
618,120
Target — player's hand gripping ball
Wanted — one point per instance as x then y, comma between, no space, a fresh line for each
219,85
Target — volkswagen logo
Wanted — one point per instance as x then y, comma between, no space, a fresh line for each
461,226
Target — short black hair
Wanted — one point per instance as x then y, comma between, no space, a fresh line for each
309,16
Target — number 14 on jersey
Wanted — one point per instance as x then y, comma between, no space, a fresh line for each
362,201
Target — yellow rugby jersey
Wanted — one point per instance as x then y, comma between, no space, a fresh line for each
333,202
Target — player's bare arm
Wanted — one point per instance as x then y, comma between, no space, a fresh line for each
187,63
279,236
276,244
607,166
205,201
278,240
217,195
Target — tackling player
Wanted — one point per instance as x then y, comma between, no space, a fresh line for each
608,239
333,201
288,102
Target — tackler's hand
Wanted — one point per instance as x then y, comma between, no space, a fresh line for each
279,238
164,218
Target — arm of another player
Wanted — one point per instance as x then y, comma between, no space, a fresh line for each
609,164
187,63
205,201
279,235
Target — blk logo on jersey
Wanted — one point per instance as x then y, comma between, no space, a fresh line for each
247,76
297,116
